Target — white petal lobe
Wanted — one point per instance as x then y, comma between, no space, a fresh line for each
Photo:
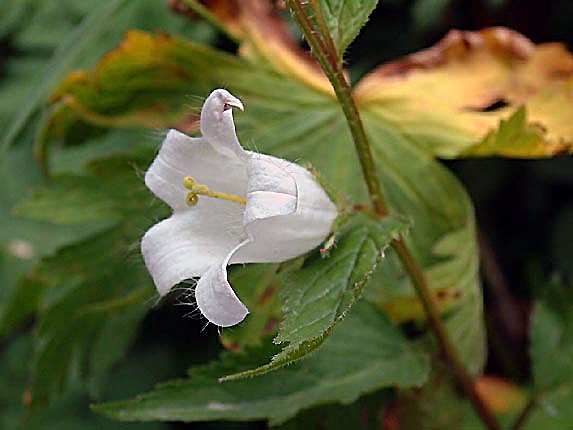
187,245
216,299
217,125
283,231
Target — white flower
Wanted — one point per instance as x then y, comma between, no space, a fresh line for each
238,207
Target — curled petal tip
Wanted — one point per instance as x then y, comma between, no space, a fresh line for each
234,102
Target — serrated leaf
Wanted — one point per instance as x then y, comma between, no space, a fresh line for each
71,47
50,43
290,118
551,349
22,241
68,413
552,338
167,70
92,287
319,295
257,286
364,414
385,359
345,18
437,405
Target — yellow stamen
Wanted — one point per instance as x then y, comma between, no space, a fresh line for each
201,189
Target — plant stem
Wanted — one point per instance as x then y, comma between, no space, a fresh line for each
335,74
525,413
333,69
447,347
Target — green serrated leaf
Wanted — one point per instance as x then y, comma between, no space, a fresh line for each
257,286
552,338
551,349
87,290
345,18
68,413
319,295
291,120
76,342
385,359
59,64
23,242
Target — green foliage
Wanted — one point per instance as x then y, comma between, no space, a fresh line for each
54,42
551,350
318,296
257,286
345,18
437,405
290,119
335,373
364,414
79,232
90,295
68,413
23,242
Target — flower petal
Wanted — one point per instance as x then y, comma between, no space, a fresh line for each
189,243
217,126
287,214
180,156
216,299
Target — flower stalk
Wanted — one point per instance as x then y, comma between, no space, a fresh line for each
322,46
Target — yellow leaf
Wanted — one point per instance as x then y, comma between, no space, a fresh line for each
266,39
453,97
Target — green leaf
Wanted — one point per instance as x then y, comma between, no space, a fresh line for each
551,349
59,64
552,337
367,413
90,289
345,18
68,413
168,69
319,295
23,241
480,116
257,286
385,359
77,331
437,405
295,121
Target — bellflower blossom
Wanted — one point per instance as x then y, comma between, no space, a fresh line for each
229,206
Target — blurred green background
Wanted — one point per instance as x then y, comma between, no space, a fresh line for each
524,209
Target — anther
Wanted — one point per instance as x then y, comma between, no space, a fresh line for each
191,199
189,182
201,189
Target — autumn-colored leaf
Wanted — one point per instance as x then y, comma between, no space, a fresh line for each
491,92
501,395
265,37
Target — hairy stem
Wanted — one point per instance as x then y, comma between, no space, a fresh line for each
320,42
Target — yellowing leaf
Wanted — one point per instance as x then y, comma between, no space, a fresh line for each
145,81
491,92
501,395
265,38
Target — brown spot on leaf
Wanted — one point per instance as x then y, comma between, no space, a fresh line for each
229,345
270,326
267,294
